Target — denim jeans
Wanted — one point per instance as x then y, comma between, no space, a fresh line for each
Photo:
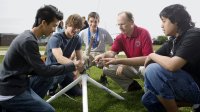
177,85
28,101
62,79
40,84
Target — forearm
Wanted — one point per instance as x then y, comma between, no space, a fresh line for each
79,55
63,60
169,63
136,61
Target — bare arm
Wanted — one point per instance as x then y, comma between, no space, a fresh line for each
169,63
57,52
136,61
79,55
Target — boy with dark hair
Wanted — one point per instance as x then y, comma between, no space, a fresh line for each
23,59
173,79
59,51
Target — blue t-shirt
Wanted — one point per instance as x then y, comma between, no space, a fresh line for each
60,40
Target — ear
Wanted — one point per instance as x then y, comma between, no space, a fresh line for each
44,22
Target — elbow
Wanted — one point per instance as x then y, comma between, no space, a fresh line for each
59,60
171,68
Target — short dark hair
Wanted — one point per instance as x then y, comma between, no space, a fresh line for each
47,13
75,21
177,13
93,15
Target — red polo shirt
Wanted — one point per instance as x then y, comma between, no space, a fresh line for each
139,44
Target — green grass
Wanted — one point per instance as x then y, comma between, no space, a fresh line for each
3,48
101,101
1,58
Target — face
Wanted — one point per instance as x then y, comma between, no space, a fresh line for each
50,28
168,27
71,31
93,23
125,26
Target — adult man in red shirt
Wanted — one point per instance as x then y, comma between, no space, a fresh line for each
136,43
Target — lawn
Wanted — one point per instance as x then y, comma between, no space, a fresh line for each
101,101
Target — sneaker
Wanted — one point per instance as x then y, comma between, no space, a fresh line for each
134,86
103,80
196,108
51,92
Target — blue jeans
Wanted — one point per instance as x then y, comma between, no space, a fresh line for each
28,101
63,80
177,85
41,84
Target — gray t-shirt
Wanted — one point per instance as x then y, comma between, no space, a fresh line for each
103,38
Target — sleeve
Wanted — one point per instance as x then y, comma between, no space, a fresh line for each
109,39
117,45
81,35
32,57
147,46
189,47
54,42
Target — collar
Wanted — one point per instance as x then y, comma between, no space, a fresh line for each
134,32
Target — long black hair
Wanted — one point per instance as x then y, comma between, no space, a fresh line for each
177,13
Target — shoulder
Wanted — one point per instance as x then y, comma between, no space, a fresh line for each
56,37
142,30
77,37
142,33
119,37
26,36
83,31
193,32
101,29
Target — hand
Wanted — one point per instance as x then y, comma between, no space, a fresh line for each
79,65
98,58
147,61
108,61
119,70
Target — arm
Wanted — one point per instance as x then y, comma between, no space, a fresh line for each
58,54
32,56
108,54
79,55
136,61
109,39
169,63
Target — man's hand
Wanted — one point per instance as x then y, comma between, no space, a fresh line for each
79,65
108,61
119,70
98,58
147,61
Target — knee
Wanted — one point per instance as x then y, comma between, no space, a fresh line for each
152,71
106,72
